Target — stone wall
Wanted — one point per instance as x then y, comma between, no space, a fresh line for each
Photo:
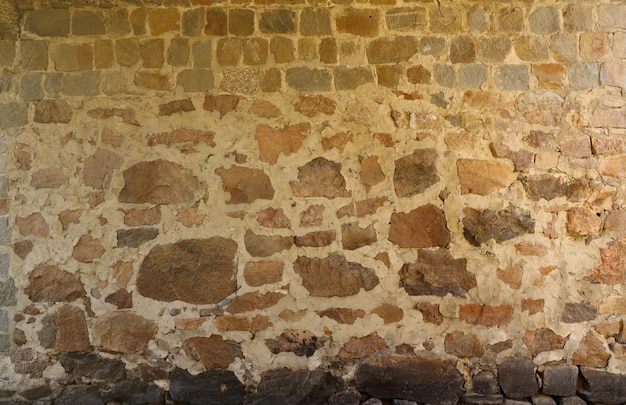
290,201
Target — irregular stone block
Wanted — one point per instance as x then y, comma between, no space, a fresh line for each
279,21
135,237
209,388
354,237
308,79
415,173
486,315
425,226
72,57
263,272
362,22
84,394
591,352
72,334
264,246
501,226
483,177
342,315
541,340
315,21
213,351
162,20
603,387
246,185
406,18
51,284
299,342
358,348
320,178
382,50
200,271
294,387
158,182
123,332
316,239
463,345
254,301
52,111
92,366
274,141
418,379
351,78
549,187
516,377
560,380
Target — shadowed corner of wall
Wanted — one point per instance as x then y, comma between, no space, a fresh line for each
9,20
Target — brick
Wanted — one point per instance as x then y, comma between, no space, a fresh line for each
509,19
512,77
117,22
445,20
13,115
81,83
86,22
351,78
549,75
151,52
229,51
162,20
328,50
279,21
544,20
178,52
444,75
72,57
195,80
315,21
406,18
304,78
48,22
613,74
583,75
34,55
383,50
361,22
494,49
282,49
138,18
578,18
241,22
193,21
593,45
31,87
104,53
152,80
127,51
216,22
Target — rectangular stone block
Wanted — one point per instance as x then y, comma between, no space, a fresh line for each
72,57
406,18
151,52
361,22
178,53
104,54
241,22
193,22
315,21
31,87
351,78
12,115
81,83
612,17
48,22
202,54
34,55
86,22
4,263
511,77
304,78
279,21
195,80
7,52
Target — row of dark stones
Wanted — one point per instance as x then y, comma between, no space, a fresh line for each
401,380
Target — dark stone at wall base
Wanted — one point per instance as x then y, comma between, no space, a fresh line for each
422,380
215,387
92,366
560,380
79,394
285,386
517,378
603,387
132,392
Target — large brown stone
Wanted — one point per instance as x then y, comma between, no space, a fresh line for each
274,141
501,226
320,178
415,173
88,249
53,111
299,342
541,340
72,334
51,284
416,379
389,313
548,187
158,182
213,351
483,177
246,184
315,105
316,239
52,177
33,225
437,273
182,135
362,208
334,276
198,271
123,332
395,50
254,301
357,348
264,246
591,352
99,168
342,315
423,227
263,272
463,345
362,22
354,237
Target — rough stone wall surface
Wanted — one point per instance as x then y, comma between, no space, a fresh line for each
312,201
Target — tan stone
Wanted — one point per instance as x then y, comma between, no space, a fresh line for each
315,105
362,208
593,45
463,345
254,301
320,178
583,222
158,182
612,270
123,271
153,80
213,351
614,304
140,217
264,246
357,348
312,216
162,20
53,111
541,340
274,141
263,272
99,167
613,166
123,332
33,225
354,237
342,315
189,323
591,352
88,249
316,239
72,334
245,184
512,276
532,49
532,306
182,135
265,109
338,141
72,57
483,177
190,217
362,22
389,313
425,226
273,218
232,323
120,298
51,284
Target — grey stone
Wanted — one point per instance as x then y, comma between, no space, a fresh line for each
278,21
480,399
31,87
578,18
92,366
373,401
406,18
5,343
560,380
494,49
549,187
7,293
517,378
4,321
304,78
34,55
603,387
315,21
47,335
7,52
350,78
81,84
583,75
485,383
611,17
472,75
36,393
544,20
540,399
284,386
80,394
3,180
195,80
511,77
578,312
347,397
135,237
444,75
8,85
178,53
477,19
193,22
500,225
53,84
573,400
202,54
215,387
48,22
132,391
564,47
4,263
432,46
12,115
402,402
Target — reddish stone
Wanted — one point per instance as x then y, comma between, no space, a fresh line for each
437,273
51,284
52,177
158,182
338,141
430,312
69,217
33,225
531,249
613,268
463,345
190,217
512,276
312,216
362,208
264,246
99,168
23,248
254,301
141,217
264,272
273,218
486,315
503,225
245,184
274,141
223,103
232,323
189,324
320,178
311,106
126,114
532,306
542,340
415,173
425,226
176,106
591,352
88,249
583,222
316,239
342,315
389,313
213,351
123,332
121,299
357,348
72,334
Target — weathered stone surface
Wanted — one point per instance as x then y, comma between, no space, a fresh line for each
182,135
541,340
437,273
273,218
342,315
138,217
213,387
92,366
501,226
274,141
549,187
406,18
33,225
120,298
389,313
316,239
532,48
362,22
158,182
415,173
334,276
312,105
48,178
213,351
516,377
486,315
308,79
72,334
583,221
560,380
135,237
578,312
264,246
613,268
591,352
417,379
483,177
320,178
86,394
383,50
263,272
254,301
603,387
299,342
198,271
358,348
425,226
48,22
245,184
463,345
354,237
88,249
123,332
286,386
16,115
51,284
52,111
99,167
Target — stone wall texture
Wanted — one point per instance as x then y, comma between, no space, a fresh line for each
312,201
